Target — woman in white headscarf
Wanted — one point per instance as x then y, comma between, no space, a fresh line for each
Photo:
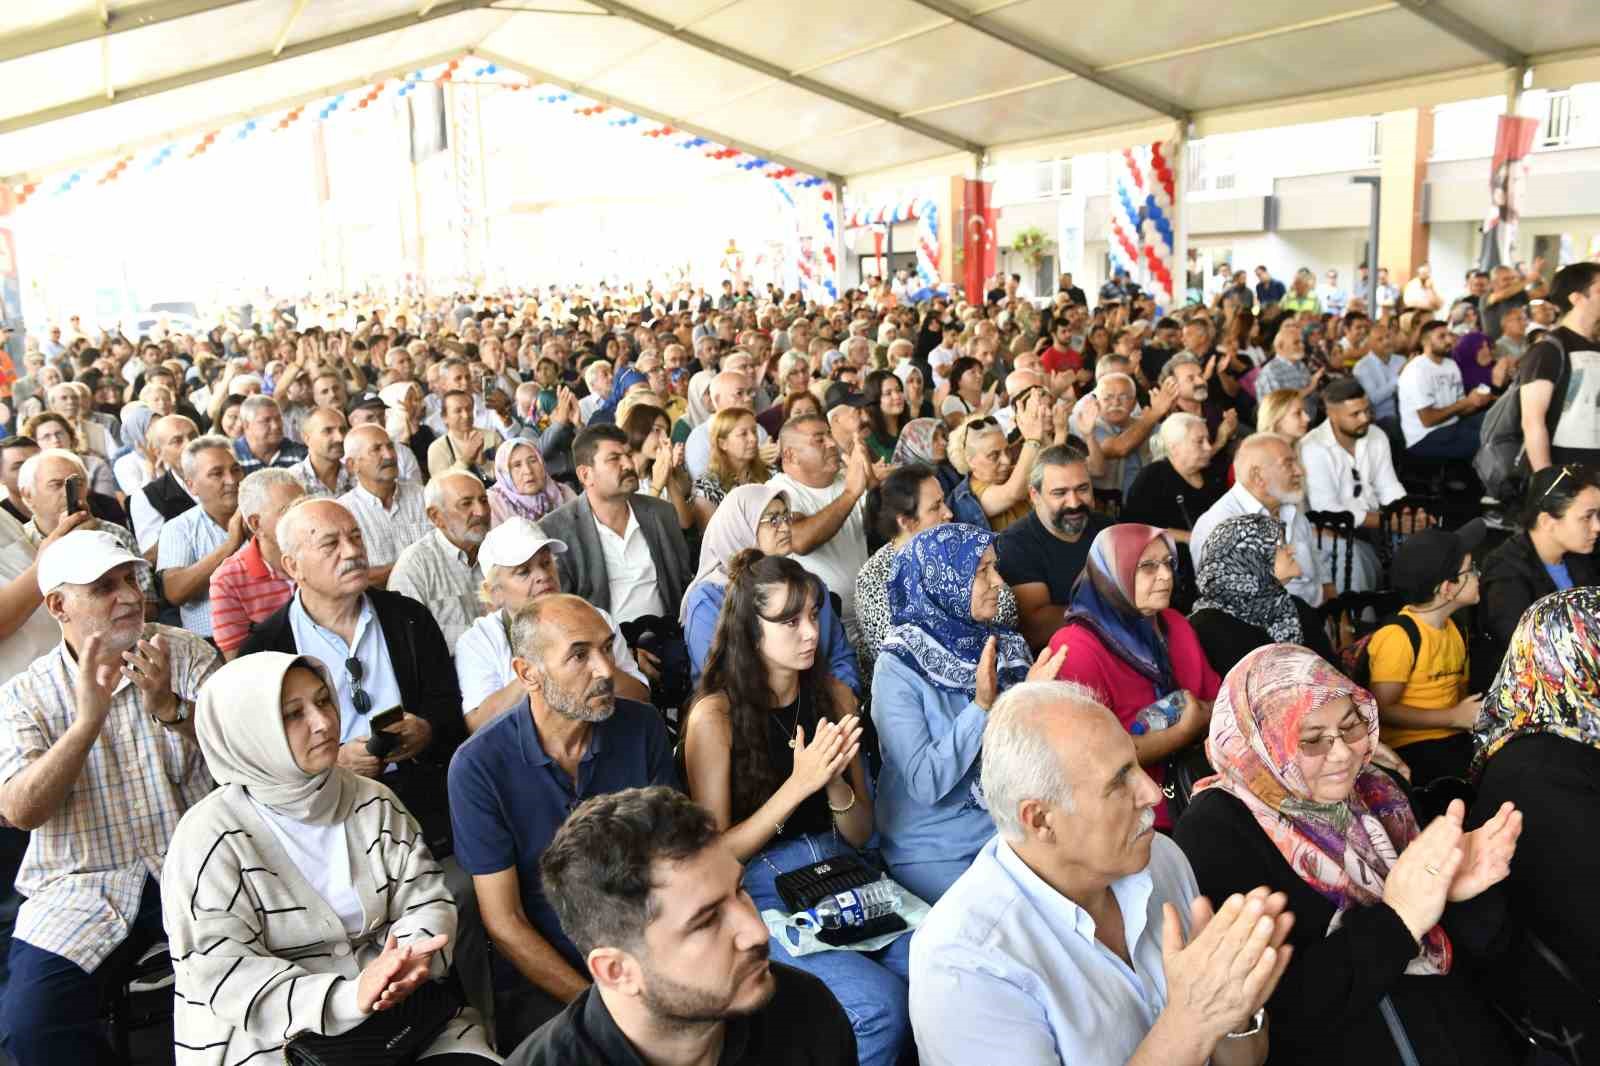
291,849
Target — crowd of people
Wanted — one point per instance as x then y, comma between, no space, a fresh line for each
475,677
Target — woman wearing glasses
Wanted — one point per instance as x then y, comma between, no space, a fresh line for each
758,516
1560,521
1124,640
1388,917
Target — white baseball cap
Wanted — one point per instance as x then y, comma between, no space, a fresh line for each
515,541
81,557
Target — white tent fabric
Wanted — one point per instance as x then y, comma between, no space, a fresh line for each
834,87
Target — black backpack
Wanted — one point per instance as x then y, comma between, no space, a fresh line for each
1501,462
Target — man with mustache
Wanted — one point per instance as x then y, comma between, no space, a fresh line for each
680,972
392,512
441,570
1041,556
98,760
1077,891
517,779
199,540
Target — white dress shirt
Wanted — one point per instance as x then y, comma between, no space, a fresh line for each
1333,474
1008,970
635,591
1301,537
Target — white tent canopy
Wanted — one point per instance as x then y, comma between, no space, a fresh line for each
834,88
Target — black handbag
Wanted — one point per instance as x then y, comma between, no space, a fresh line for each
393,1037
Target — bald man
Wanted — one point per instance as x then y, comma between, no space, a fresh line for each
731,388
167,496
1268,479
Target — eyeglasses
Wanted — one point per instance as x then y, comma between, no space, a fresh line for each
1352,734
1152,567
776,521
358,695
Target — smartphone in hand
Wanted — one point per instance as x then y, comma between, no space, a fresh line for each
381,743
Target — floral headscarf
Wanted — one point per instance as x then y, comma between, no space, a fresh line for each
916,442
931,627
1342,850
1236,578
504,499
1550,679
1103,597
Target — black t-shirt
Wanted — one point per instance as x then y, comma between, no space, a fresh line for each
802,1025
1577,435
1027,553
1160,497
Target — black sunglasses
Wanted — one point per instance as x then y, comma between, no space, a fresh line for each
358,695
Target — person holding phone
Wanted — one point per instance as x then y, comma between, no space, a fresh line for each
54,487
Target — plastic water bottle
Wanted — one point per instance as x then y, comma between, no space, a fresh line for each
857,906
1162,714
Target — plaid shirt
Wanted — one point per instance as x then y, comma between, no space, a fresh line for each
388,530
86,867
313,485
438,575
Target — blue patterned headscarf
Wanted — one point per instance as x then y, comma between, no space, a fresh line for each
931,627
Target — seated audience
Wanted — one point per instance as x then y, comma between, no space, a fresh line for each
135,468
1296,807
1174,492
1287,369
1424,699
885,413
1124,642
735,460
945,659
994,492
522,487
199,540
519,566
1552,551
927,440
1270,480
1536,748
625,551
1348,468
1041,556
323,471
516,780
730,388
441,570
1439,418
650,892
1116,432
42,482
166,497
96,732
757,516
827,502
659,462
391,511
1244,603
1079,934
311,840
249,585
1379,372
462,446
52,430
765,752
1475,356
261,441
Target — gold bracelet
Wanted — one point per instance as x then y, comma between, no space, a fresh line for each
847,806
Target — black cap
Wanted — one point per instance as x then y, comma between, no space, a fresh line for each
367,401
841,394
1428,559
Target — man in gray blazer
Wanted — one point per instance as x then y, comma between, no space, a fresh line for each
625,552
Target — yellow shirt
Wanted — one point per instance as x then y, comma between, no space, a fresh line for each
998,522
1435,681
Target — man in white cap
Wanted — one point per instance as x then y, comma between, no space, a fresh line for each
98,760
519,566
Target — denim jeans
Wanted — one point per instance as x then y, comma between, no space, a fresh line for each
1459,440
870,988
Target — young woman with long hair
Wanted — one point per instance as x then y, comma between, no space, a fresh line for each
735,460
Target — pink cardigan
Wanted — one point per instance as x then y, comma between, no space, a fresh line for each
1127,692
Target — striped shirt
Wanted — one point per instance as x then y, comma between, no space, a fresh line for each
387,530
244,589
438,575
86,866
185,541
313,485
287,455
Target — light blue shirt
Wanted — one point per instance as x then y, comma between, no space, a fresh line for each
705,605
1559,574
929,809
1380,377
377,672
184,541
1009,970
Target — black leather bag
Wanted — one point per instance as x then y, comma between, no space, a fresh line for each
394,1037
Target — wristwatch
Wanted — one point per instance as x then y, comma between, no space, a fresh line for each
1255,1026
182,716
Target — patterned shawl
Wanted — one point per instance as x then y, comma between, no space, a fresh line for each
1550,679
931,627
1236,577
508,502
1102,601
916,442
1342,850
